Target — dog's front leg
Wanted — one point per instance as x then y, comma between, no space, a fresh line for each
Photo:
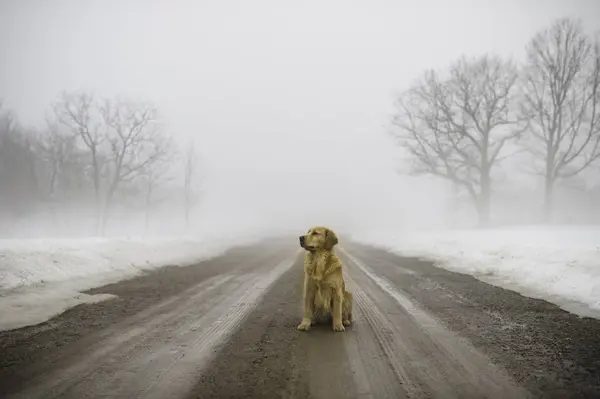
308,306
337,310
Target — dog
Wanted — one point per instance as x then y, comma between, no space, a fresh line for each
325,292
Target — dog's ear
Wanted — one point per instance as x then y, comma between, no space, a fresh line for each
330,239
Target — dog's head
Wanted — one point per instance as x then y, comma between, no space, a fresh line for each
318,238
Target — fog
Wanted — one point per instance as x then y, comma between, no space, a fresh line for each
288,104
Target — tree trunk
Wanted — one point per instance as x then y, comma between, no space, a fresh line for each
100,223
106,211
187,214
147,222
548,198
148,206
97,219
105,215
483,210
484,201
53,178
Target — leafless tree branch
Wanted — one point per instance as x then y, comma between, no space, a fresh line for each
456,127
560,101
136,142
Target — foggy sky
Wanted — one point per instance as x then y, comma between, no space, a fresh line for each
288,102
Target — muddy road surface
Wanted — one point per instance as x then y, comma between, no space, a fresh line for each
226,328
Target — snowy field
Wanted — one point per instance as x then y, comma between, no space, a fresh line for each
558,264
40,278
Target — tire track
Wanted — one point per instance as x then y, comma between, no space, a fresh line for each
265,358
430,360
179,377
269,358
153,353
375,374
326,361
120,344
388,342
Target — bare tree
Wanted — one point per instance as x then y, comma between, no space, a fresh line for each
190,196
78,112
457,127
136,145
561,97
153,179
19,185
57,149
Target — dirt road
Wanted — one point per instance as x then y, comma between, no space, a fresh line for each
226,328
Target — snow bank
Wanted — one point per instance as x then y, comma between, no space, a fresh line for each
43,277
558,264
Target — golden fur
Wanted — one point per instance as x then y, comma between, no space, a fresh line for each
325,292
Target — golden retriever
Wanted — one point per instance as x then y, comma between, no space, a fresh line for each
325,292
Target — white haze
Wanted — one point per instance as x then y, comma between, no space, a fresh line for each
288,102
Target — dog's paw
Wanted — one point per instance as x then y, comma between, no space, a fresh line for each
346,322
338,327
304,326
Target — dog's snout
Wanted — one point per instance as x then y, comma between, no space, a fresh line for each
301,239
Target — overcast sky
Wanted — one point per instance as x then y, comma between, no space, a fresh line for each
287,100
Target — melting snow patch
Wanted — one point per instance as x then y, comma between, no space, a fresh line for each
43,277
558,264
